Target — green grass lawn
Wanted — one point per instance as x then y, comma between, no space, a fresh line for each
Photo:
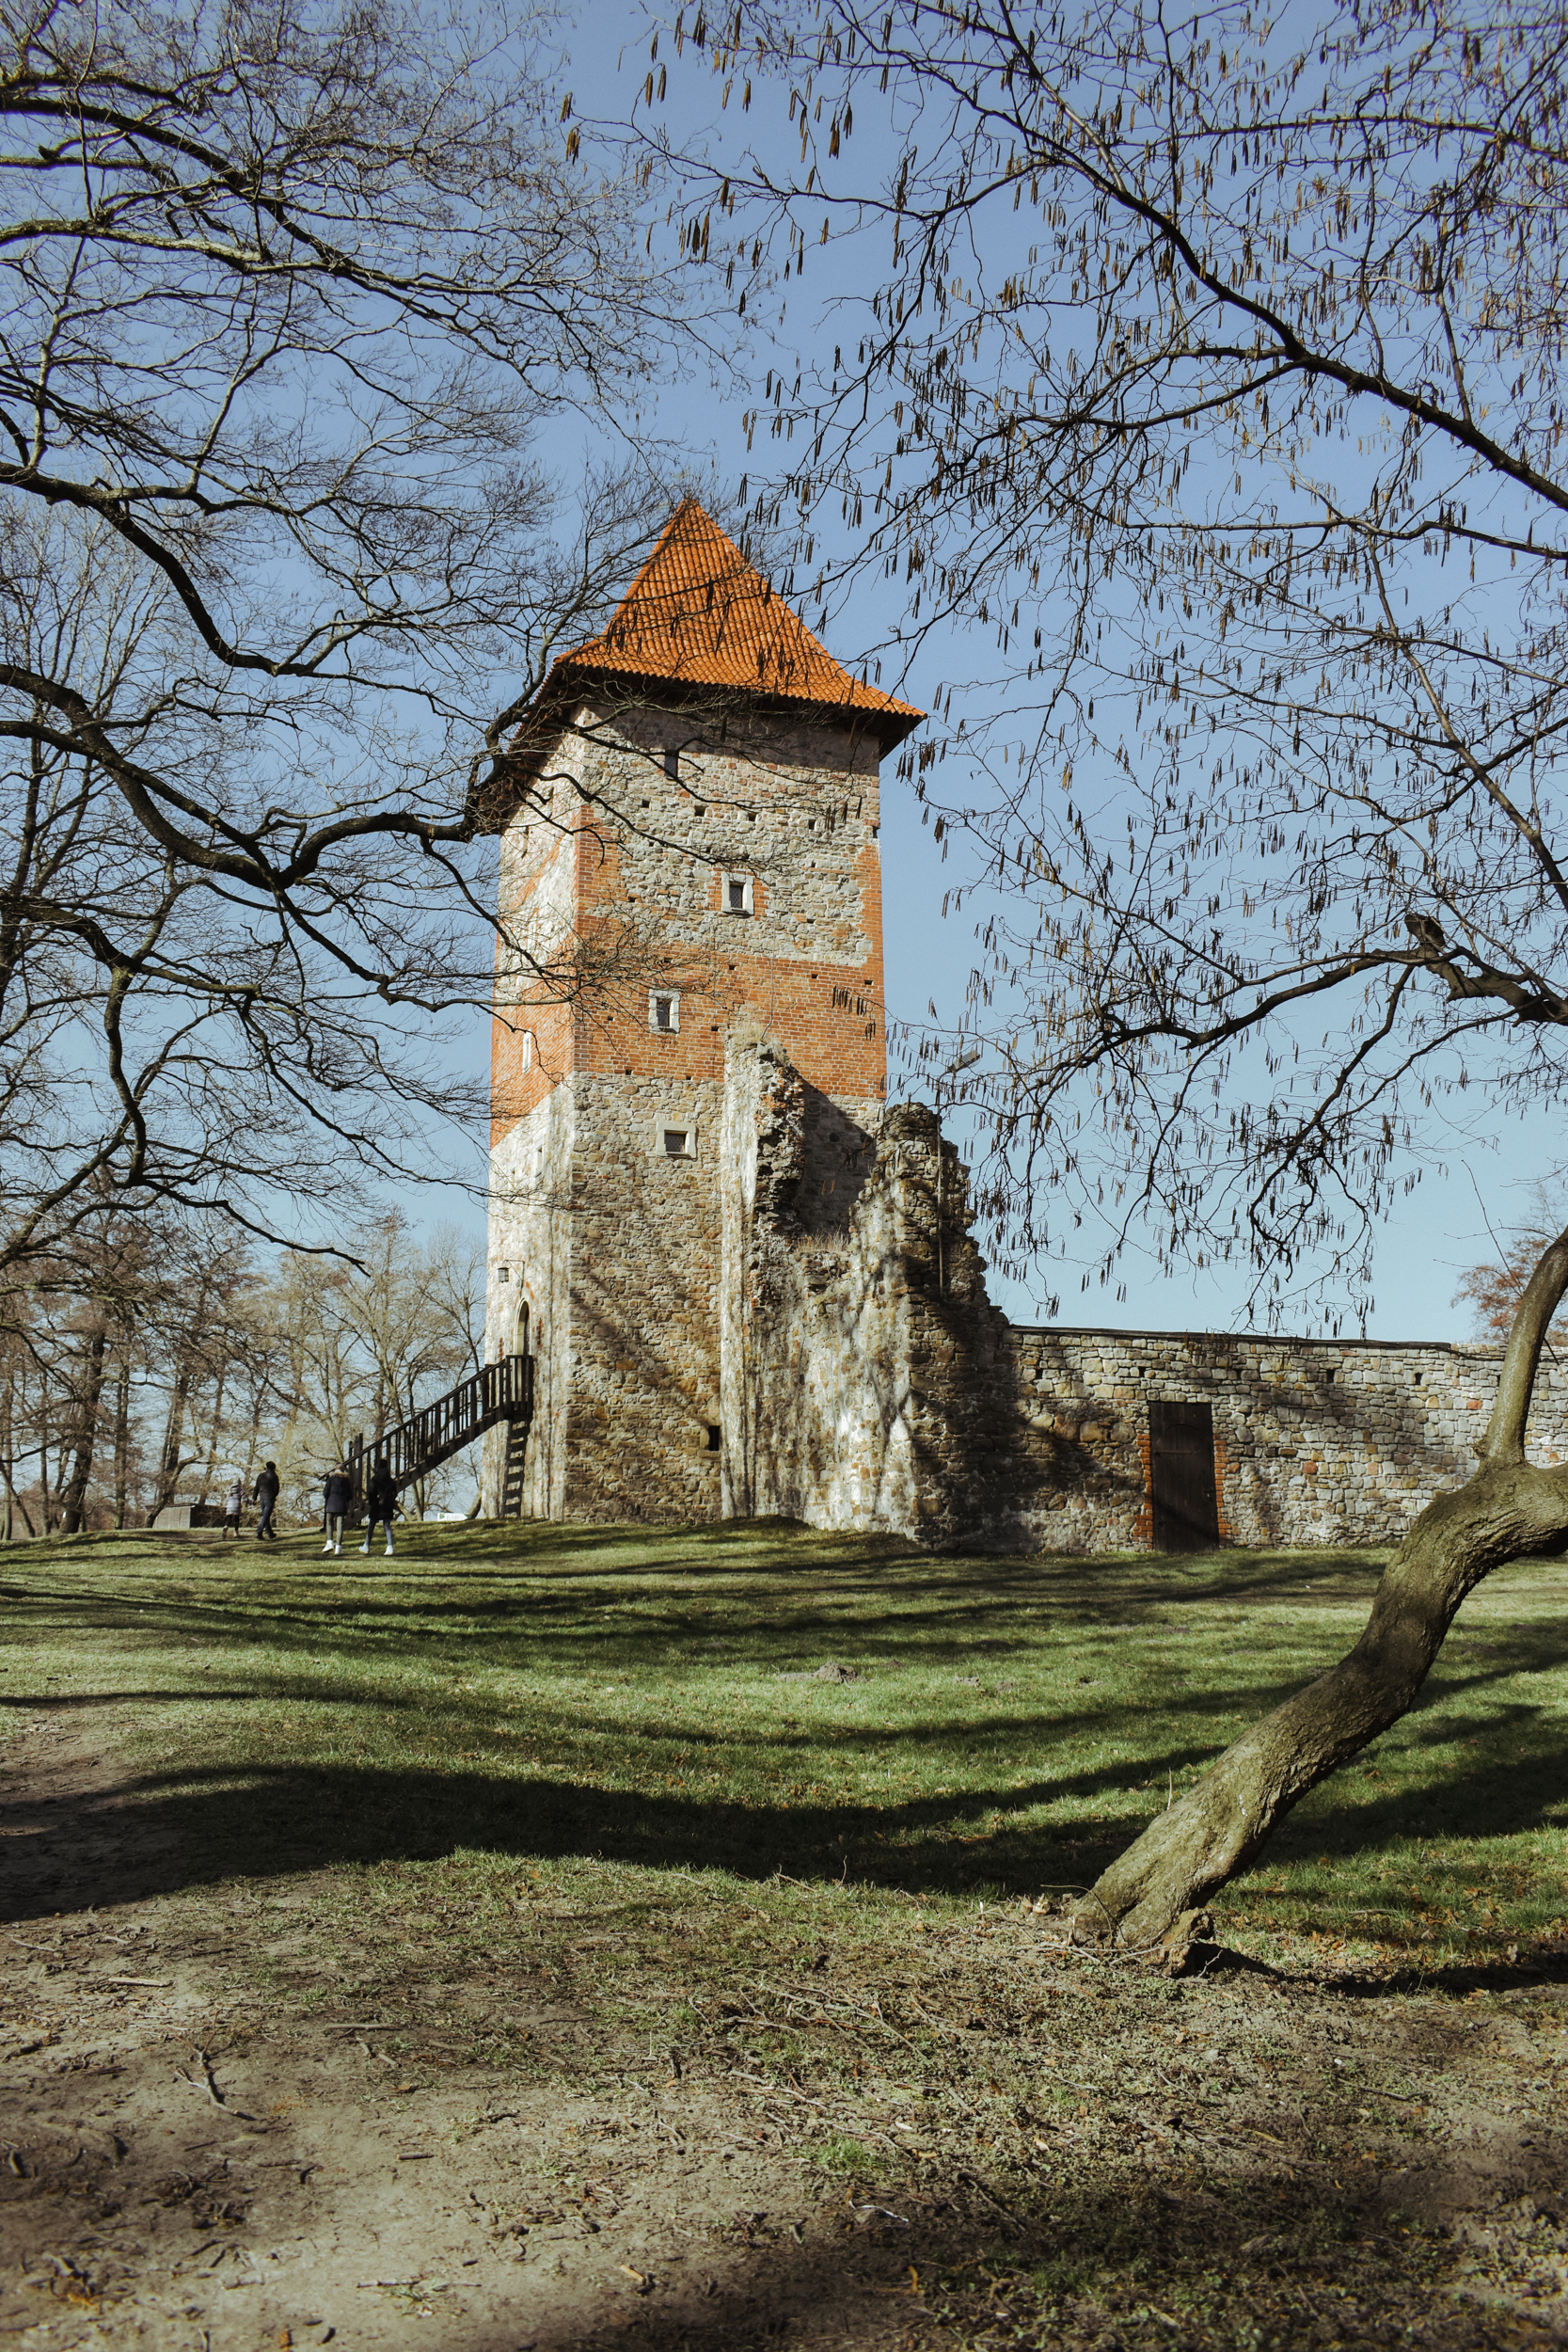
502,1710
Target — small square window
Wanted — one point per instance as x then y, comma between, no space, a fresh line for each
712,1439
664,1010
674,1143
503,1274
674,1139
672,766
735,894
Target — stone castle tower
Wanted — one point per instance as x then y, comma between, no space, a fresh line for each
689,835
748,1285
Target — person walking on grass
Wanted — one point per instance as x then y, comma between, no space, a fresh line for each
337,1497
233,1505
265,1493
381,1500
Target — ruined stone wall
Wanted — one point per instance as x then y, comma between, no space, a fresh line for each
806,1285
812,1384
864,1377
1316,1441
867,1382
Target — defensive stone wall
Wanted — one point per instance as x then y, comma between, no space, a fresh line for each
793,1320
1316,1441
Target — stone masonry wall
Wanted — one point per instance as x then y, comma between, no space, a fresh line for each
531,1238
867,1382
621,870
616,1245
1316,1441
864,1371
643,1376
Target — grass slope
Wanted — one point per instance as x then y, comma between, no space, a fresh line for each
533,1699
690,1983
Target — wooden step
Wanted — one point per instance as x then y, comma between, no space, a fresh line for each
511,1481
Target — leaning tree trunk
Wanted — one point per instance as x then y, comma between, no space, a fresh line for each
1509,1510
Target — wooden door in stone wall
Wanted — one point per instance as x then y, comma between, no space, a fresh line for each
1181,1475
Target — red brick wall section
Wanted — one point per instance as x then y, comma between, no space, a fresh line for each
1143,1526
1222,1488
633,882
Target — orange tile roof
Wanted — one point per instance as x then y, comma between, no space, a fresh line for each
699,615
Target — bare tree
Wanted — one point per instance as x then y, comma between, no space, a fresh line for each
355,1346
417,1313
1207,387
287,296
158,1358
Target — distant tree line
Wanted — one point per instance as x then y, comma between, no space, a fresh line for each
151,1360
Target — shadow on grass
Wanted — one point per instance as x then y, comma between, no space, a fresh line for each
533,1585
494,1606
164,1831
67,1702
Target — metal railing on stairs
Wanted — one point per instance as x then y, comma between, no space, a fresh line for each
498,1392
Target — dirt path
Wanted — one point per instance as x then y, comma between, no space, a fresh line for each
183,2163
186,2169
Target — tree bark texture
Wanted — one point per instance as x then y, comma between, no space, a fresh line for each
90,1371
171,1462
123,1429
1508,1509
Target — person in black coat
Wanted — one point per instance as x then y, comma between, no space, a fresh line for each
336,1500
381,1500
265,1493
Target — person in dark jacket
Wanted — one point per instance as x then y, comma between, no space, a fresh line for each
336,1496
265,1494
381,1500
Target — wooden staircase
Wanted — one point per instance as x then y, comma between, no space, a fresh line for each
512,1482
499,1392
